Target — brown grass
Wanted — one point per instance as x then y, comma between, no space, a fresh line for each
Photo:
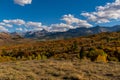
59,70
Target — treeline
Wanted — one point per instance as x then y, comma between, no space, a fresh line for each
100,47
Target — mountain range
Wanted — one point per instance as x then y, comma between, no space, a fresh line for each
70,33
45,35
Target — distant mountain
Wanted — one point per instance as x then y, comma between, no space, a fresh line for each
9,36
45,35
70,33
5,36
16,35
35,34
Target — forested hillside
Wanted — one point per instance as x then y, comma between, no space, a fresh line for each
103,46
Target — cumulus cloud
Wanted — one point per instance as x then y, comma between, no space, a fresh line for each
34,25
1,23
6,25
18,22
70,23
71,20
19,29
58,27
3,29
104,14
23,2
21,23
9,25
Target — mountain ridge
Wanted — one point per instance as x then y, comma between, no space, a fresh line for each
70,33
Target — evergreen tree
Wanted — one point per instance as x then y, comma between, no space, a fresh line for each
81,53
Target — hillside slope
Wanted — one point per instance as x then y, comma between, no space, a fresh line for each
83,58
103,44
12,38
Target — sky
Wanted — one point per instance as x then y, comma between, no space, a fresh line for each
57,15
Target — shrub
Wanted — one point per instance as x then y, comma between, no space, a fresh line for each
74,47
92,55
38,57
112,58
101,58
97,54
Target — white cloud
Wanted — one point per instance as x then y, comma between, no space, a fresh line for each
71,20
104,14
22,25
34,24
70,23
59,27
18,22
19,29
1,23
2,28
62,25
22,29
23,2
9,25
37,29
6,25
25,29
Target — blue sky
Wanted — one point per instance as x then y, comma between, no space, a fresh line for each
57,15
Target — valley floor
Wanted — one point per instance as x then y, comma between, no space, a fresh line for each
59,70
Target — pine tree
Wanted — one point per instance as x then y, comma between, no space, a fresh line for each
81,53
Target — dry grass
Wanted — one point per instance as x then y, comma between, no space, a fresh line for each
59,70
